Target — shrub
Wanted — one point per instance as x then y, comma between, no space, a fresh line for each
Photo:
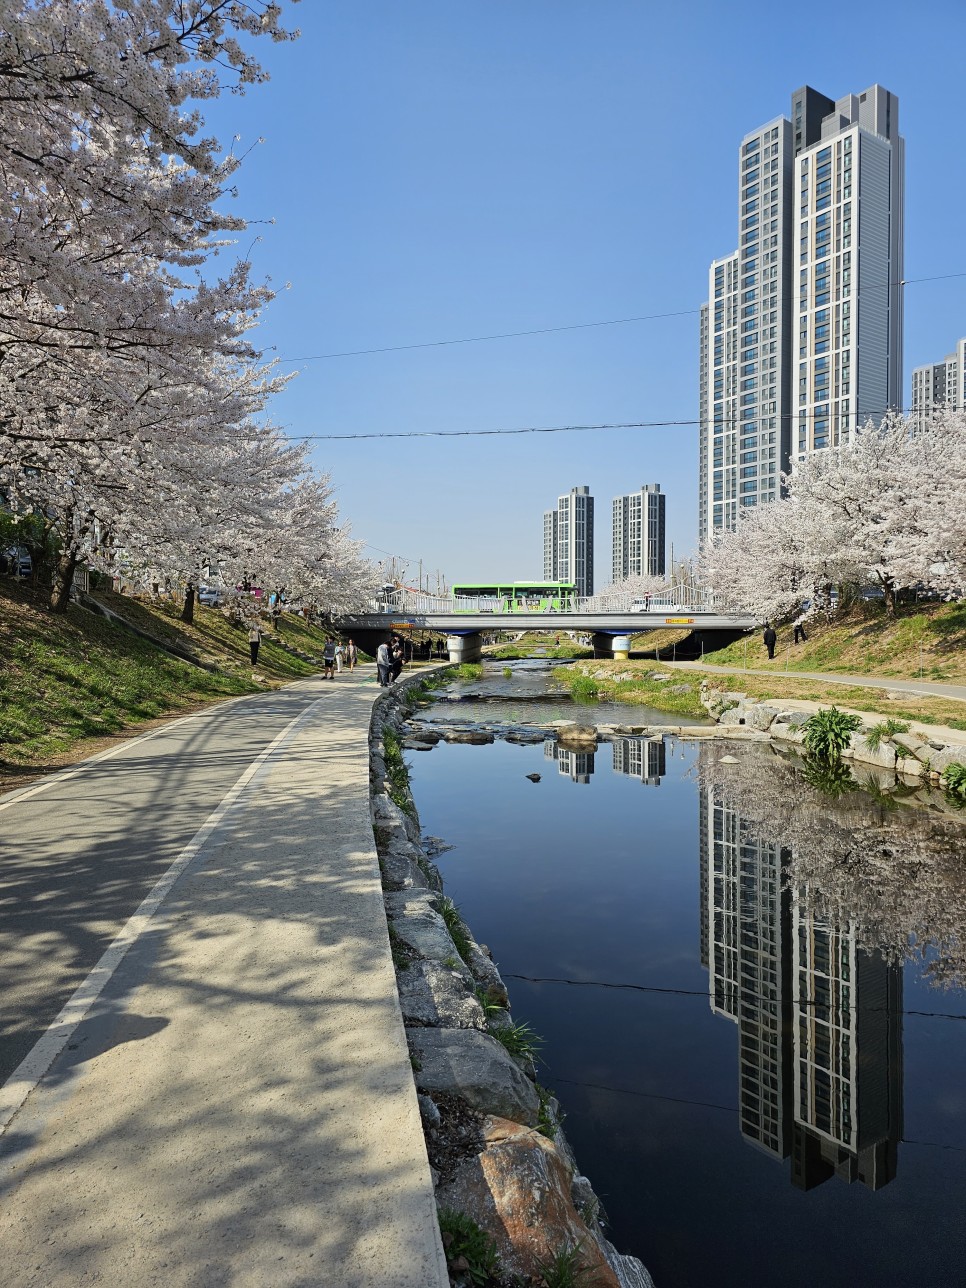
827,732
885,730
454,924
954,782
519,1040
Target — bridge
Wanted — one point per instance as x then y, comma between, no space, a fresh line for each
609,619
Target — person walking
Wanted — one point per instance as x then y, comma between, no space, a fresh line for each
352,655
770,639
328,658
339,657
383,663
254,639
800,630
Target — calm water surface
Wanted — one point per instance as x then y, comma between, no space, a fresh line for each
752,1052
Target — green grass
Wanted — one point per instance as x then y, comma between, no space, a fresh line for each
639,689
464,1239
397,772
519,1040
884,731
927,638
456,927
565,1269
467,671
69,678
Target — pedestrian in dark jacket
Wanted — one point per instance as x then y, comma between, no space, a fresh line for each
770,640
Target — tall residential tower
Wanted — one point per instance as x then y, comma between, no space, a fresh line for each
568,540
939,384
801,339
638,533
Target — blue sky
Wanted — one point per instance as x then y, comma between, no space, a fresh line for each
448,168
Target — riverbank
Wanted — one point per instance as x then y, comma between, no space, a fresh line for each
512,1200
676,688
71,683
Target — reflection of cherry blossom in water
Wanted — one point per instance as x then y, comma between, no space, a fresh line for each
895,871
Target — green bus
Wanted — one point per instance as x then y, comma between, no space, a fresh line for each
516,596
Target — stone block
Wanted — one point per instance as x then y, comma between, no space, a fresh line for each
759,717
947,754
474,1066
431,993
474,736
420,927
400,872
883,756
518,1188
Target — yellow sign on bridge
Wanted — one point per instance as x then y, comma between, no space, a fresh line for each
679,621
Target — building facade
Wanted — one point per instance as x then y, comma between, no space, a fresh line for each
568,540
801,339
638,534
939,384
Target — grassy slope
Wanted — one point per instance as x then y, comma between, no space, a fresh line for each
866,642
637,687
80,676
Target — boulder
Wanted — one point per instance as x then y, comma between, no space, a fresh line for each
416,744
476,736
759,717
431,993
518,1189
582,737
525,737
416,922
400,872
883,756
475,1067
943,755
680,688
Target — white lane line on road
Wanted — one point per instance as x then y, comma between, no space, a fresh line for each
62,775
41,1056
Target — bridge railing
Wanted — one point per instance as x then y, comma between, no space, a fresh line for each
676,598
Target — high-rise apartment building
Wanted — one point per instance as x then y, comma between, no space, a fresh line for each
638,541
568,540
939,384
801,339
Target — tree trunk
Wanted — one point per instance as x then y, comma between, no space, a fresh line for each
63,580
188,612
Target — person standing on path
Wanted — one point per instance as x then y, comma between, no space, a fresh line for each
254,639
339,657
328,658
352,655
397,659
383,663
770,639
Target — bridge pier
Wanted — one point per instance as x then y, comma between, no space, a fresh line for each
466,647
607,644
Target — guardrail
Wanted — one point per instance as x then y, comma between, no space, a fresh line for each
676,598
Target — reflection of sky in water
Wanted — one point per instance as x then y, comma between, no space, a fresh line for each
721,1141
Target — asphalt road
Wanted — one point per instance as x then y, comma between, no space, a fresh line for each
79,851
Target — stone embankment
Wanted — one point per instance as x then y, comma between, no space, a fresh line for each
493,1134
916,751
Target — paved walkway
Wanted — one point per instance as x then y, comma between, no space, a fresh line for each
955,691
236,1106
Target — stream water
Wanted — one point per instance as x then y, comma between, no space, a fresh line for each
751,991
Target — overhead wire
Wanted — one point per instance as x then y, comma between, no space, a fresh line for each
572,326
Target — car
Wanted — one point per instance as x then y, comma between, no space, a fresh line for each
210,595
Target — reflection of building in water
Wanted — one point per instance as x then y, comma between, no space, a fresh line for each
645,759
848,1057
575,765
819,1020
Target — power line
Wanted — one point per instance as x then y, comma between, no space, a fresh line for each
503,335
574,326
568,429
